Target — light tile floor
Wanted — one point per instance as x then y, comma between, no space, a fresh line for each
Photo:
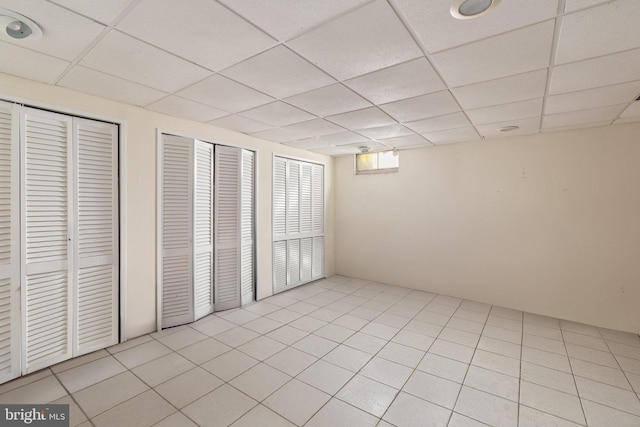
349,352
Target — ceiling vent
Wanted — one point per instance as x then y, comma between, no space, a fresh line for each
17,26
469,9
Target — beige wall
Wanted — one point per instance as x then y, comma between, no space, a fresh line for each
139,241
547,223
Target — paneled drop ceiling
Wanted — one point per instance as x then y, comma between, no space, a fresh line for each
333,75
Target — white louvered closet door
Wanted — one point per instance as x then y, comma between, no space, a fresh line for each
175,271
96,246
227,227
247,227
317,222
203,229
47,227
9,243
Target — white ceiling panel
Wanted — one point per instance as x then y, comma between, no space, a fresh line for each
618,20
105,11
503,91
213,36
607,70
422,107
123,56
96,83
372,145
578,126
434,124
385,132
573,5
575,118
593,98
220,92
278,135
65,34
239,124
438,30
627,120
29,64
308,144
278,114
367,118
334,151
504,112
284,19
525,127
517,52
632,111
279,72
367,39
406,141
413,78
452,135
342,138
315,127
329,100
180,107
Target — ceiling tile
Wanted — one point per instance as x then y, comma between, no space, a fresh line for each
421,107
308,144
385,132
180,107
578,126
573,5
342,138
29,64
213,36
284,19
593,98
278,114
438,30
279,73
367,39
329,100
316,127
220,92
413,78
516,52
575,118
65,34
503,91
105,12
277,135
452,135
627,120
504,112
406,141
617,20
123,56
239,124
527,126
334,151
632,111
355,148
96,83
591,73
434,124
367,118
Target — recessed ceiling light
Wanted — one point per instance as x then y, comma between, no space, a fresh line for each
364,149
469,9
17,26
509,128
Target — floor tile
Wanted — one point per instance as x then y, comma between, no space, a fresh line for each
497,362
543,331
546,344
459,337
348,358
263,417
585,340
213,325
444,367
536,319
325,315
401,354
262,325
548,377
493,382
530,417
163,369
614,397
78,361
409,411
145,409
287,335
90,373
308,324
591,355
423,328
326,376
284,316
487,408
182,338
508,313
605,416
502,322
502,334
142,353
261,348
544,358
334,333
297,401
177,419
629,365
365,313
76,416
635,381
24,380
262,308
302,307
260,381
368,395
188,387
603,374
349,321
465,325
336,413
229,365
134,342
458,352
240,316
204,350
621,349
315,345
367,343
458,420
380,330
221,407
579,328
109,393
413,339
42,391
236,336
434,389
392,320
291,361
551,401
433,318
500,347
386,372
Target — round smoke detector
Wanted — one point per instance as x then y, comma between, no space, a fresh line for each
469,9
18,26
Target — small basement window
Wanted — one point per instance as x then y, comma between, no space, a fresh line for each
380,162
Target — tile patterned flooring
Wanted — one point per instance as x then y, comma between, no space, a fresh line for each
349,352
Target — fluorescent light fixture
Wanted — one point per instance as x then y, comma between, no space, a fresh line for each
469,9
17,26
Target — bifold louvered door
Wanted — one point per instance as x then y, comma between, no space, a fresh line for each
298,222
247,208
203,229
9,243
